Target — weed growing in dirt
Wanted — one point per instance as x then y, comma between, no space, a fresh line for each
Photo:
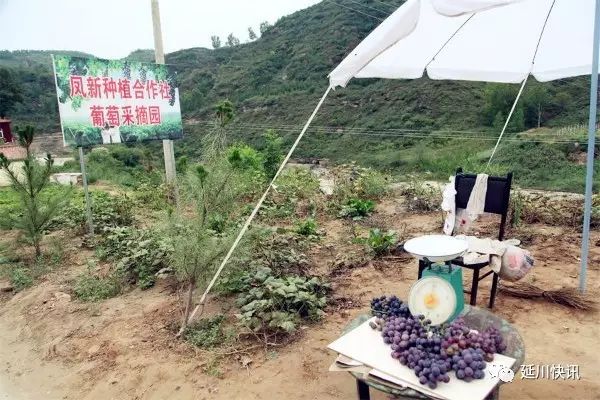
138,253
296,188
357,209
91,287
308,227
207,333
20,278
272,304
352,181
380,243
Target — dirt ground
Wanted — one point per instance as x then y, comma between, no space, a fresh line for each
54,347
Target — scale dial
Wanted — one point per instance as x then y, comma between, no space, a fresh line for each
434,298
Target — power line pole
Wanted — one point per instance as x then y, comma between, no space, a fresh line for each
159,55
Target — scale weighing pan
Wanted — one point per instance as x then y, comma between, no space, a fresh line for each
436,248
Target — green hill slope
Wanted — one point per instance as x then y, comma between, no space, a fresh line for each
277,80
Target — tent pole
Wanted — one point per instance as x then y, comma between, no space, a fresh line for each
585,241
258,205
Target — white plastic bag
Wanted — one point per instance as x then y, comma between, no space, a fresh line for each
516,263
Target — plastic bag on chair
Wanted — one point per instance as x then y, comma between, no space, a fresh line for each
516,263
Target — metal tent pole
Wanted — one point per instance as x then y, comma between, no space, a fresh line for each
585,241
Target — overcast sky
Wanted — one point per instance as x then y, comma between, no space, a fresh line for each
114,28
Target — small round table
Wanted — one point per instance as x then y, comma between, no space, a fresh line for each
475,318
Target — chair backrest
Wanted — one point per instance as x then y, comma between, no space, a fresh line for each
497,198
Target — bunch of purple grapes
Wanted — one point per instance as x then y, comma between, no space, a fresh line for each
392,306
416,347
458,337
432,352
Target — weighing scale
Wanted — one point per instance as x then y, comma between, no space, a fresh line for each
438,295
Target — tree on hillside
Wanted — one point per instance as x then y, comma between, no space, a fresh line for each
216,140
264,27
536,98
216,41
272,153
251,34
10,92
37,206
232,41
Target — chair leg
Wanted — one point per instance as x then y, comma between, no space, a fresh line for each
493,292
363,390
421,269
474,286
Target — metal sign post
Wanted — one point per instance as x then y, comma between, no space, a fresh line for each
88,202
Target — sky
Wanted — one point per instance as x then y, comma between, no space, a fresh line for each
114,28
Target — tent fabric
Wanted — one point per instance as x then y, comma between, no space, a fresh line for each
451,8
476,40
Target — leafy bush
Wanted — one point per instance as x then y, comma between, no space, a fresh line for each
139,254
206,332
352,181
381,243
272,154
308,227
357,209
108,211
297,184
90,287
282,253
279,304
151,196
20,278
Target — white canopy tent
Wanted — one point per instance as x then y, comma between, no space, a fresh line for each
477,40
487,40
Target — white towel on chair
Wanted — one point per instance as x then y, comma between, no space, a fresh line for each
449,205
476,203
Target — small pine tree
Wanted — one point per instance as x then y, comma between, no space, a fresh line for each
216,41
36,205
251,34
264,27
272,154
232,41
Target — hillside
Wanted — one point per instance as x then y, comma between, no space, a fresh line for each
276,80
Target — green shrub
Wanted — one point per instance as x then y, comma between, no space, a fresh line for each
108,211
357,209
308,227
206,333
148,195
380,243
297,184
275,304
90,287
352,181
138,254
20,278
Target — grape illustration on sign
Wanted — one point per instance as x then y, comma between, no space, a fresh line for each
115,101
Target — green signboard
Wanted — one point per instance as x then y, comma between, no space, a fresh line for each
116,101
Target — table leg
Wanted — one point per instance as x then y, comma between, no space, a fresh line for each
363,390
